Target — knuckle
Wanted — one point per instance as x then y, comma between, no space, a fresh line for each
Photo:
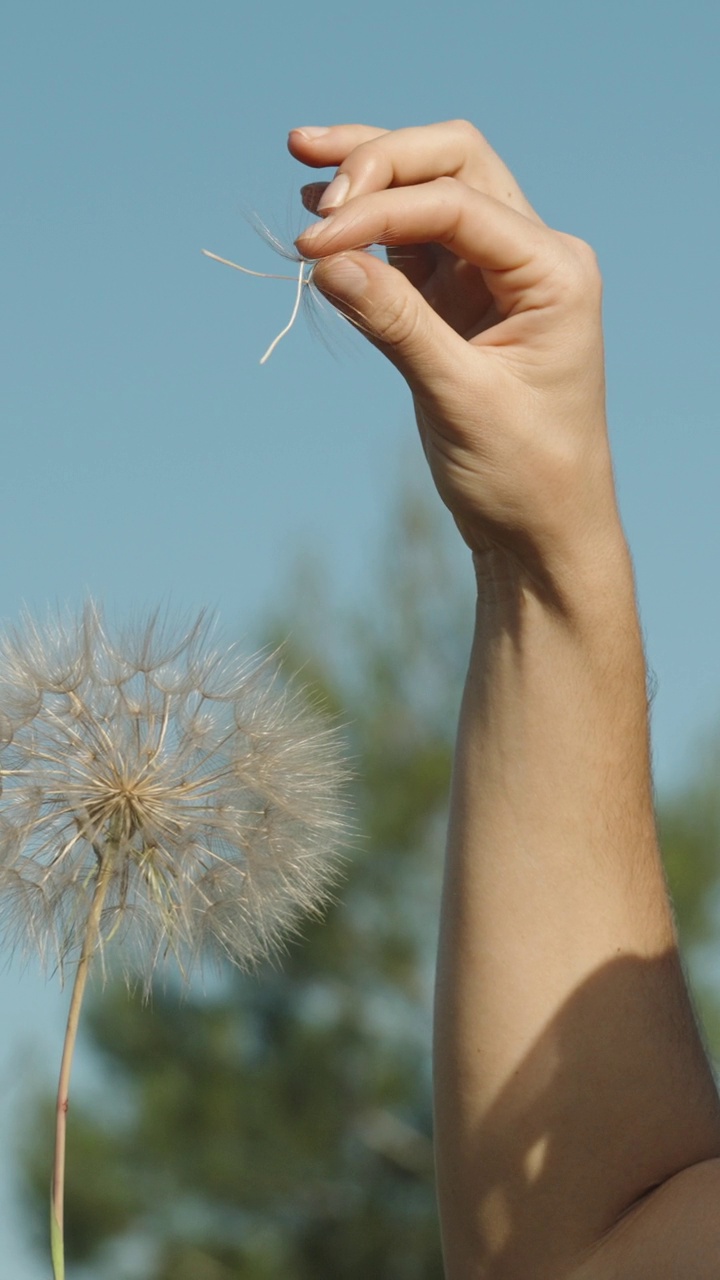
588,260
445,185
466,127
579,269
474,140
448,192
365,160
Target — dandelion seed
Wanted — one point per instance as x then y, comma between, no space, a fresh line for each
160,793
303,281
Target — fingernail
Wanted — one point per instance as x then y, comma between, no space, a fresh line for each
310,195
336,194
311,131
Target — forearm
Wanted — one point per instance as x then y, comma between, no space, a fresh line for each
569,1078
569,1074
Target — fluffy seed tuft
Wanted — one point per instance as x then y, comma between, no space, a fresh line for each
208,792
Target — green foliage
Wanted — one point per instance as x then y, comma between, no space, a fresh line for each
689,822
280,1125
97,1203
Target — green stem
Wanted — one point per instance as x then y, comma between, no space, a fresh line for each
92,930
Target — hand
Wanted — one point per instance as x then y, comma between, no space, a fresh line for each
493,319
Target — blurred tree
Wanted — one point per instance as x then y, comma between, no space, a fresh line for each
280,1124
690,837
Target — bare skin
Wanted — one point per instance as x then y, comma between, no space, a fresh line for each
577,1125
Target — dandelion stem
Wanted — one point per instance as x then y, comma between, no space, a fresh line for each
293,318
92,929
301,278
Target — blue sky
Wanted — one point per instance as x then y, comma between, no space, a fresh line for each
146,455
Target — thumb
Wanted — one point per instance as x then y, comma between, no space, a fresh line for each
382,304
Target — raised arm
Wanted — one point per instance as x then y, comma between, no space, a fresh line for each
577,1125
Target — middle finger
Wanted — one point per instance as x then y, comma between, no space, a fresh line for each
407,157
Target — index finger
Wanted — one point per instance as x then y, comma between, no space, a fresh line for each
517,255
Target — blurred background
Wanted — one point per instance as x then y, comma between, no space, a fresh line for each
280,1125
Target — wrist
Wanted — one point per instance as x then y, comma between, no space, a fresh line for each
584,582
583,618
558,681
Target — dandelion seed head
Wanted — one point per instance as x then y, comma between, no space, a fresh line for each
204,785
